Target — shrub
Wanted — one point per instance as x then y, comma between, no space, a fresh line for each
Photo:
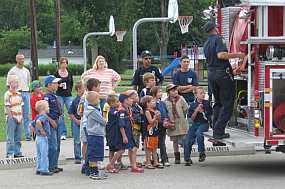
46,69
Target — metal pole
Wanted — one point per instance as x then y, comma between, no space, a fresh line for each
84,44
250,119
57,30
34,54
249,66
135,28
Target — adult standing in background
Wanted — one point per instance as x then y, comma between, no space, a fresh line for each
24,82
108,78
186,80
137,82
221,81
64,92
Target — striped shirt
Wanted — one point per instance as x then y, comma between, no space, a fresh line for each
15,102
108,78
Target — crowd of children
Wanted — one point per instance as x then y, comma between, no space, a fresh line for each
127,120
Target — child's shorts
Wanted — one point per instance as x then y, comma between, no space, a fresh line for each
151,142
113,149
95,148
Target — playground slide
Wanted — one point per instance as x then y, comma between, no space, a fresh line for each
171,66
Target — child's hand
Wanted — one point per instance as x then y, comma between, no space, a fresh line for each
43,133
77,121
125,140
200,108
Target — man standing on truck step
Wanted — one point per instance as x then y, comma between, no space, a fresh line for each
220,75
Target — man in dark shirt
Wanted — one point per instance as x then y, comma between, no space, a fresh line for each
137,82
220,75
186,80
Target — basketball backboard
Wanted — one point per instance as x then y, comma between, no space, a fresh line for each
112,26
173,10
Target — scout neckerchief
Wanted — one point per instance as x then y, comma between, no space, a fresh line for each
173,101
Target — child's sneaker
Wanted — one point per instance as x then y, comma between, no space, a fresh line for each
202,157
46,173
121,166
102,173
166,164
95,176
188,162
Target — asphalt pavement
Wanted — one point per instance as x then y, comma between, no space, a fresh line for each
260,171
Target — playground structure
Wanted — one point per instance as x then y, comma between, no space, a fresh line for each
111,32
173,16
257,28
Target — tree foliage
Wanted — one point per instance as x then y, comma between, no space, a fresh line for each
79,17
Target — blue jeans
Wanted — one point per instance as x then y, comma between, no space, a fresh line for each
26,113
195,132
52,148
42,153
58,141
14,135
64,100
76,140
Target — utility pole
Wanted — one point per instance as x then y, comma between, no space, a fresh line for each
57,30
34,52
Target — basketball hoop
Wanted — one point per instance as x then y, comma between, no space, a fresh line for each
184,22
120,35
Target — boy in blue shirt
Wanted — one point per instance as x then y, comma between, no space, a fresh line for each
149,82
42,130
199,112
76,122
96,132
186,80
51,84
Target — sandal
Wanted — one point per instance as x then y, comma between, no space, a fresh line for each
111,169
149,166
137,170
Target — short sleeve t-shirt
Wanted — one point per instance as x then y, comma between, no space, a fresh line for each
74,106
186,78
45,124
203,117
33,100
214,45
138,76
54,105
14,101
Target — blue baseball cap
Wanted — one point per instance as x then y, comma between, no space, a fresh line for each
123,96
51,79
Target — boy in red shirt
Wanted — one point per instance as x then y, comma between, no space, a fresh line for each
35,97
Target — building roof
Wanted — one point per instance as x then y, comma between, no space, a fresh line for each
50,52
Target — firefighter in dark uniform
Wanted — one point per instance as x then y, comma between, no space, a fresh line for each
220,76
137,81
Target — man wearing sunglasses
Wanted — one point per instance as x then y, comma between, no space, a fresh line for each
137,82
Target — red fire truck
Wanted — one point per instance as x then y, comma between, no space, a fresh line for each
257,28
